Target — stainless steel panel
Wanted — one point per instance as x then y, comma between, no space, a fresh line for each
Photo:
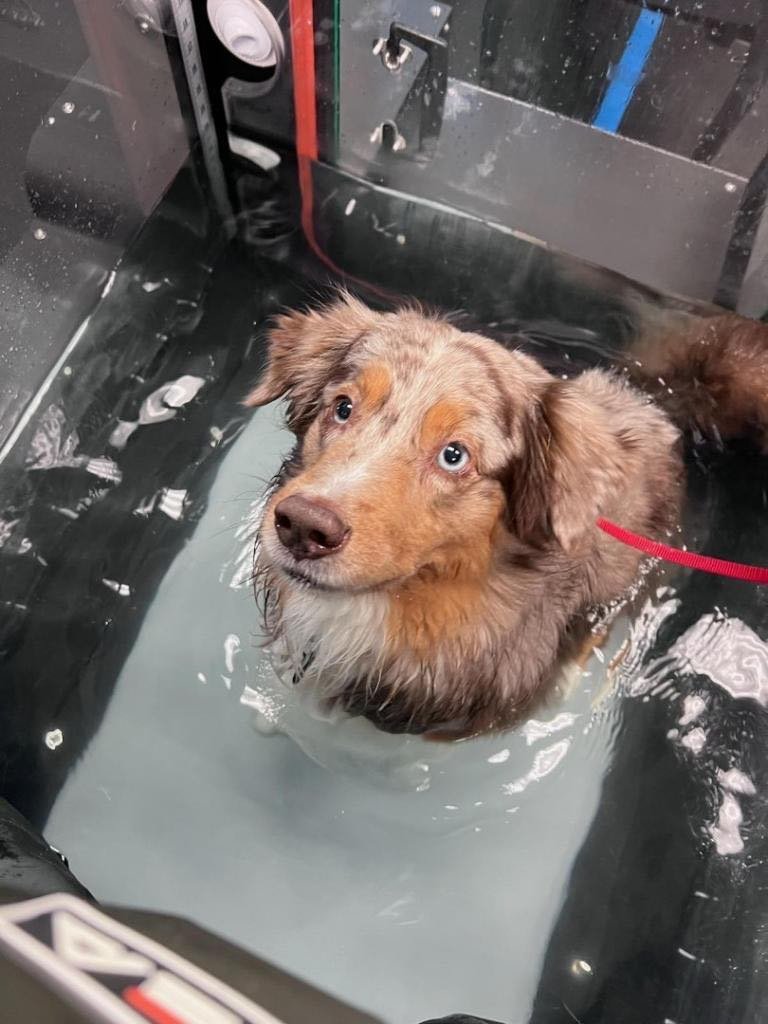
370,93
656,217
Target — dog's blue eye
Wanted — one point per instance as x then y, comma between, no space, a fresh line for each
453,457
343,409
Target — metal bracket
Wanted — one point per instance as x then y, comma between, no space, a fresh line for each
431,83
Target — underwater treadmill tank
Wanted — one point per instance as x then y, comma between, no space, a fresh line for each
175,173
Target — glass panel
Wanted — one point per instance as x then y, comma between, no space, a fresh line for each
93,137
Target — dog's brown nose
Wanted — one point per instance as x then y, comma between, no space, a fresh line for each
309,529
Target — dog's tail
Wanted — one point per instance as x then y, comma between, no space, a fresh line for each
707,369
709,373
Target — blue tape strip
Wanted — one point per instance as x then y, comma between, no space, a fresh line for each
628,71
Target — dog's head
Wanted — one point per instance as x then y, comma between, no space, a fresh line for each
418,445
425,455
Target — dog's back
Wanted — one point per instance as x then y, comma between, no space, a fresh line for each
710,374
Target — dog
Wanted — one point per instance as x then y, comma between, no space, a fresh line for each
428,555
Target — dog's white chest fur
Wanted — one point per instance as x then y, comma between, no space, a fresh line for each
330,638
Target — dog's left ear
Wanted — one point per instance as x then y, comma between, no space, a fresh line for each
305,351
569,467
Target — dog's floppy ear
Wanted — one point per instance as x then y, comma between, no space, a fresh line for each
569,466
305,350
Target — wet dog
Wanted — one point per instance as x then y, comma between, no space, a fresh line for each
429,552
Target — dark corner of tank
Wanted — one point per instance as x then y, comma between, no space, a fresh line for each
173,175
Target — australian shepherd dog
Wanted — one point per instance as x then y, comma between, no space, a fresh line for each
428,553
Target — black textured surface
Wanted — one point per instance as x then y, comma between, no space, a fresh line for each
28,866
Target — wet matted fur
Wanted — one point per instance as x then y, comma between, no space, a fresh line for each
449,606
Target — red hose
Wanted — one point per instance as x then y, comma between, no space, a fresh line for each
304,91
303,53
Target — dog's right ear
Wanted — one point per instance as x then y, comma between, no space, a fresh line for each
305,351
569,467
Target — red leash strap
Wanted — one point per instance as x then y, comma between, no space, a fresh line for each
704,563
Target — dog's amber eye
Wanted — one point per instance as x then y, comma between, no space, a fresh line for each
343,409
453,457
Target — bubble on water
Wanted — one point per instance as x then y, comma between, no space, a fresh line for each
172,502
104,468
544,763
735,781
54,739
232,647
500,757
726,833
695,740
693,707
119,588
534,730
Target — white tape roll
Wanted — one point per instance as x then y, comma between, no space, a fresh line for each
248,30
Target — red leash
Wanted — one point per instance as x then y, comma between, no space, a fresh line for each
704,563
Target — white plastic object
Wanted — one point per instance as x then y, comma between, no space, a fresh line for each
248,30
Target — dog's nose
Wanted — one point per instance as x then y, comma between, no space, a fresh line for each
309,529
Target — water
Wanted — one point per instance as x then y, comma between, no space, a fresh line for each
373,850
563,865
